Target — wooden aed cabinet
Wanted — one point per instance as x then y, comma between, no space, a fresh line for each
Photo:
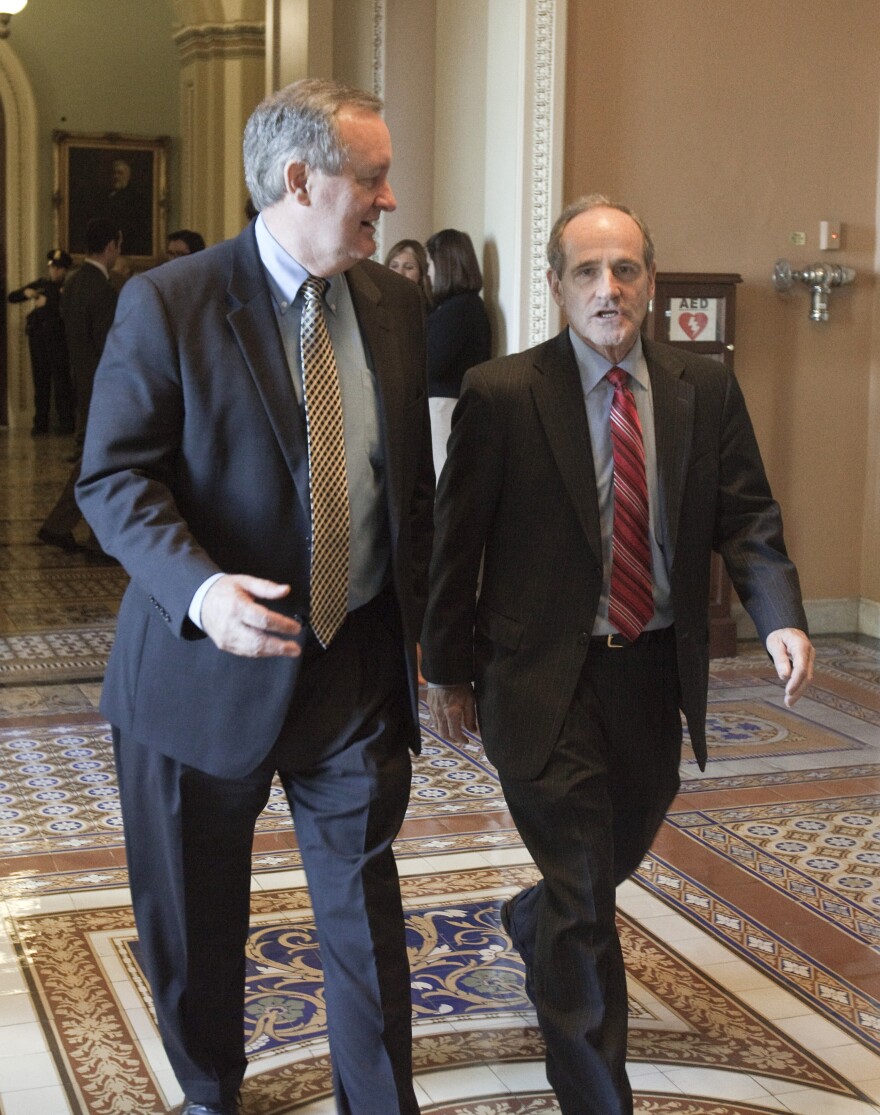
697,311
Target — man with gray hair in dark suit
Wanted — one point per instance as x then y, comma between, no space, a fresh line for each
589,479
259,459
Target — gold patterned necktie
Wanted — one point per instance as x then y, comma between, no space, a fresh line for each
631,602
328,485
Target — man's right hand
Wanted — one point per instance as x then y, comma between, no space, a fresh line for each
452,709
232,617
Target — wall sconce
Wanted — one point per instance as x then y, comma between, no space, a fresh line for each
819,277
9,8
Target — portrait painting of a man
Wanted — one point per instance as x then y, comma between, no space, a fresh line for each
122,181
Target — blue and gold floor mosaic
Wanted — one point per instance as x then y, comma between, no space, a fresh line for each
469,1005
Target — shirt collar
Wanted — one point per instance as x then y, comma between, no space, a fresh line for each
285,273
593,367
97,263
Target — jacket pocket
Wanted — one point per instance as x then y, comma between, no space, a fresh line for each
499,628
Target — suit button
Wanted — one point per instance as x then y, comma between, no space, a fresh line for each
583,638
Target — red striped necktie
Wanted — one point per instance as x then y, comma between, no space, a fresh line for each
630,603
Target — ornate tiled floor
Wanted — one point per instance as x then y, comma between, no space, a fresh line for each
752,931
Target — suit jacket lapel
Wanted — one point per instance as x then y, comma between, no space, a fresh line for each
673,429
376,330
255,326
559,398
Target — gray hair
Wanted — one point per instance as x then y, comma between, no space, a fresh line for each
555,251
298,123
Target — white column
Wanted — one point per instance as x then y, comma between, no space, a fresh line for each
222,78
524,161
299,41
500,90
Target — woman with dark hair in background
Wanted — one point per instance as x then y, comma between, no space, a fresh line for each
458,334
408,258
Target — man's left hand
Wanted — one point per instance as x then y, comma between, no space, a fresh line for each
793,656
452,710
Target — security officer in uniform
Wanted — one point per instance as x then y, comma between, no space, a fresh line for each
48,348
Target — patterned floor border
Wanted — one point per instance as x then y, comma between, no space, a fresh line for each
827,993
645,1103
822,854
64,808
59,805
679,1017
751,727
49,657
779,778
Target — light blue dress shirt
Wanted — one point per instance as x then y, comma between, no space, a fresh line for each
598,394
369,547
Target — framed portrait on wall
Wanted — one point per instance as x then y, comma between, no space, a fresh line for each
123,178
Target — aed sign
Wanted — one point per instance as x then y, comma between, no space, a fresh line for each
693,319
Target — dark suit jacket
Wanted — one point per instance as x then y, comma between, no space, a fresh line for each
88,302
519,478
196,462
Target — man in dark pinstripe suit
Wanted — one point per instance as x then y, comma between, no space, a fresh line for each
583,724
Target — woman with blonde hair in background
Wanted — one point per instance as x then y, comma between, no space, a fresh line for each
408,258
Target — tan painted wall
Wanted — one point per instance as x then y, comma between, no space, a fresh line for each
352,42
460,117
730,126
409,101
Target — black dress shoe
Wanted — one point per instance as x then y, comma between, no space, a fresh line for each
64,542
193,1108
506,921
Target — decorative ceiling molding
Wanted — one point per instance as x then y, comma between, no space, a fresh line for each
238,40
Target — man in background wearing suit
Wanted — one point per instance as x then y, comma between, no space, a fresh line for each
88,302
202,473
581,646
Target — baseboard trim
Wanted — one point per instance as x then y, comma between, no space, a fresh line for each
869,618
825,617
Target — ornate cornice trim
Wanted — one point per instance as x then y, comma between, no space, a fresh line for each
226,41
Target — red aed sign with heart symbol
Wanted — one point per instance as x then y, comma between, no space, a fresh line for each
693,324
694,319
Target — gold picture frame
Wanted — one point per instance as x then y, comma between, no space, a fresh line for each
124,178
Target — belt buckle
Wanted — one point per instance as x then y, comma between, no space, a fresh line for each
612,645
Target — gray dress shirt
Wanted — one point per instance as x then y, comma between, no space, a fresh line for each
598,394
